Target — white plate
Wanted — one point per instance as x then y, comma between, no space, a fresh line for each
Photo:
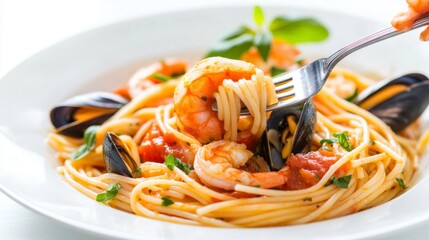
104,59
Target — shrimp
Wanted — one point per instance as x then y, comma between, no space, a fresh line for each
217,164
194,95
146,76
416,9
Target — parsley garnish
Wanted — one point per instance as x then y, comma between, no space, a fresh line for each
401,183
161,77
109,194
342,182
138,172
329,140
166,201
372,142
88,145
171,162
353,96
308,199
343,140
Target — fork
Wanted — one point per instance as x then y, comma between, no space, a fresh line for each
298,86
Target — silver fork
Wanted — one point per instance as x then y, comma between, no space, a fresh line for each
298,86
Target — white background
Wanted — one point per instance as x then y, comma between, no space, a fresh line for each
27,27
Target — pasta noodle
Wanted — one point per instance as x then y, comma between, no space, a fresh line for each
378,158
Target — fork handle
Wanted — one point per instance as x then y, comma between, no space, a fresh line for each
332,60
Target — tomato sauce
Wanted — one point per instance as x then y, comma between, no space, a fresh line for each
305,170
156,146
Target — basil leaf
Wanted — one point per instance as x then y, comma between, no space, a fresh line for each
401,183
109,194
161,77
342,182
263,41
353,96
298,31
171,162
277,71
232,48
166,201
88,143
329,140
343,140
258,16
238,32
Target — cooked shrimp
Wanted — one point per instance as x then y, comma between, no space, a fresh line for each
194,95
416,9
217,164
145,77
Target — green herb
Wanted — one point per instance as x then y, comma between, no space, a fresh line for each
171,162
401,183
166,201
298,30
353,96
161,77
109,194
204,98
263,41
372,142
329,140
232,48
236,43
342,182
300,62
258,16
138,172
343,140
88,145
308,199
277,71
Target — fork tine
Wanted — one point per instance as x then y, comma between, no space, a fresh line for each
285,95
284,87
279,79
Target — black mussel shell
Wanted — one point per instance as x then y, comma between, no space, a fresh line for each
63,115
118,160
271,141
400,110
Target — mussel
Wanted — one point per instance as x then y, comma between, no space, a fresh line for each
117,157
289,130
399,101
76,114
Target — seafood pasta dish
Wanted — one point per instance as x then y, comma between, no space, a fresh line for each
170,143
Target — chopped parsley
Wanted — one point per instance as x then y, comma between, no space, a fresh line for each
161,77
353,96
109,194
171,162
342,182
166,201
308,199
341,138
88,145
401,183
372,142
138,172
329,140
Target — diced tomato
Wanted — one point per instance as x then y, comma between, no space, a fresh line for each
156,146
305,170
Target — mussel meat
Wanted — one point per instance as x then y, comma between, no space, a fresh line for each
76,114
289,130
398,102
117,157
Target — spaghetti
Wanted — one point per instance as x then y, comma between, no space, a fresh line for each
221,191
